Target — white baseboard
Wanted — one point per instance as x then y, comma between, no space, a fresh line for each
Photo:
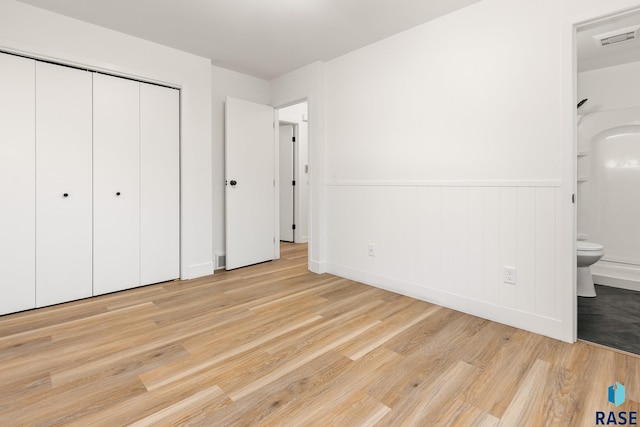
616,275
615,282
317,267
198,270
519,319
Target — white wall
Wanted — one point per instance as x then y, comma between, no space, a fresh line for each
450,147
43,34
309,83
227,83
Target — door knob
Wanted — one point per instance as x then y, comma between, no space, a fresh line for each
118,193
233,182
65,195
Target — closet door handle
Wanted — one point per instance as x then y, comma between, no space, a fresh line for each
233,182
65,195
118,193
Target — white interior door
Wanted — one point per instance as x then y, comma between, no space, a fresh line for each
63,184
159,184
116,184
17,184
287,177
250,179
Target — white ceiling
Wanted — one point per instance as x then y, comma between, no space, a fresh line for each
264,38
591,55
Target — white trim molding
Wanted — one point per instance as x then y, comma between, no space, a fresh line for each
447,183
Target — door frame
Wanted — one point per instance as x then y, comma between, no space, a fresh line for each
276,141
570,148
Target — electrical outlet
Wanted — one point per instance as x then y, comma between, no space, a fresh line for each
372,249
509,275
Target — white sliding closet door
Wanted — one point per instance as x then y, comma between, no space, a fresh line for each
116,184
17,184
159,184
63,184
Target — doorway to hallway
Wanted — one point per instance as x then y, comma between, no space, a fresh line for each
294,173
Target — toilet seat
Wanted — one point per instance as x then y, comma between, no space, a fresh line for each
584,246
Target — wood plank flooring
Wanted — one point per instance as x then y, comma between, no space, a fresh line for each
275,345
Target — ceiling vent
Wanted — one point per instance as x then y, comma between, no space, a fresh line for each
617,36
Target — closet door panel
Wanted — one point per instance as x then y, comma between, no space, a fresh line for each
160,183
63,184
116,174
17,184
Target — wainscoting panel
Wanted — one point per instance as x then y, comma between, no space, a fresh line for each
508,243
491,279
449,244
526,249
546,231
475,246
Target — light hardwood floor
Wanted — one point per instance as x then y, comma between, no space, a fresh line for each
275,345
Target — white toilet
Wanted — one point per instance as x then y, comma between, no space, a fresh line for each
588,253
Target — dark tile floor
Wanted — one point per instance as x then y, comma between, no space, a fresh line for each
612,318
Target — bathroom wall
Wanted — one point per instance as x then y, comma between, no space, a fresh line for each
613,92
610,88
609,171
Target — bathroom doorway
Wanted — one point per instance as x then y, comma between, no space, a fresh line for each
608,176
